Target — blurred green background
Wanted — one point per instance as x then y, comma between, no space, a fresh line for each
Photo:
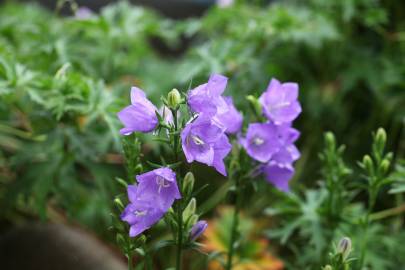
63,78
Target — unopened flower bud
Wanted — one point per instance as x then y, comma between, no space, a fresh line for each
119,204
384,166
330,140
327,267
255,104
174,99
368,164
380,140
345,247
198,229
188,183
190,209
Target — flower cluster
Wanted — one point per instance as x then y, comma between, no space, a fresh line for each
272,142
150,199
204,139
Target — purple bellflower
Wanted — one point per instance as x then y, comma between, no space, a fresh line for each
140,214
261,141
204,140
150,200
279,102
206,98
279,170
159,186
140,116
229,117
198,229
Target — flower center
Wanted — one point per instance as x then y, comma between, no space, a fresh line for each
140,213
197,140
278,106
258,141
162,183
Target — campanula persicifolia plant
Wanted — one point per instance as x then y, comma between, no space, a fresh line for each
201,126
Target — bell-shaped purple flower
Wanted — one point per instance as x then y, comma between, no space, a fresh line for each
279,170
198,229
140,116
140,213
261,141
150,200
204,140
206,98
229,117
279,102
159,186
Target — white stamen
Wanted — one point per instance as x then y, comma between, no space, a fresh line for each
258,141
162,182
279,106
197,140
140,213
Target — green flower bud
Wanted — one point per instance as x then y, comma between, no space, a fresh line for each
190,209
380,139
192,220
330,140
368,164
174,99
188,184
327,267
255,104
384,166
345,247
119,204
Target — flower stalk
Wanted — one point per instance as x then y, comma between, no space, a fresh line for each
179,212
235,225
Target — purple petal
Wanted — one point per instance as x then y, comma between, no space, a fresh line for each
216,84
231,119
262,141
137,95
279,175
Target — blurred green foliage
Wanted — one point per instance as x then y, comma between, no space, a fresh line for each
63,79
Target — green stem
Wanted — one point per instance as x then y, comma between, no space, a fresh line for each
179,237
372,199
129,256
179,203
234,229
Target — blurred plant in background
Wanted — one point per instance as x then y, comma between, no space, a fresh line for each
63,79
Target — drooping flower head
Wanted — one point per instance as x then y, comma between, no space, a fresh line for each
261,141
140,116
229,117
204,140
279,102
198,229
150,199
